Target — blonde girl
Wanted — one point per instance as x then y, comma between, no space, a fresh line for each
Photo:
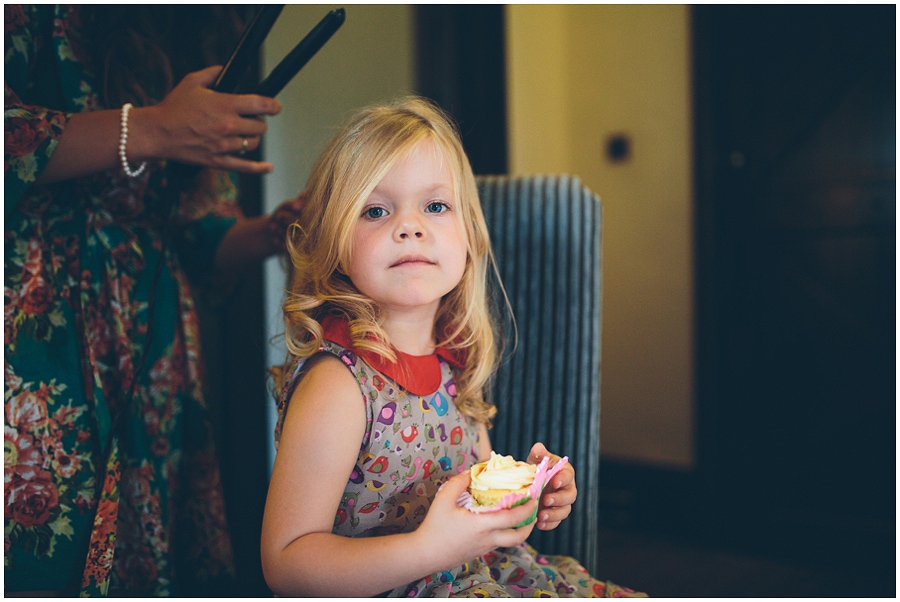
391,344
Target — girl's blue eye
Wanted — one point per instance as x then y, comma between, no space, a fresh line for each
436,207
374,212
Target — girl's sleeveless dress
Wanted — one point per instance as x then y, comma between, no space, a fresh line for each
413,443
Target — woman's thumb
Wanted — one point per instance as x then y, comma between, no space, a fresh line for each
206,77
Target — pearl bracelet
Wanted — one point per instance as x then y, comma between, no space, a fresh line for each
123,139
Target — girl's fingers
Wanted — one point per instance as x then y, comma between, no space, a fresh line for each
537,453
560,497
506,533
549,515
504,520
545,523
521,513
565,476
454,487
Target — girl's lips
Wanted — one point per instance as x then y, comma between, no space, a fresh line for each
411,259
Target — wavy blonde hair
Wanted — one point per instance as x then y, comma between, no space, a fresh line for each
319,244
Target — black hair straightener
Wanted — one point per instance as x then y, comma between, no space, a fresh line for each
252,39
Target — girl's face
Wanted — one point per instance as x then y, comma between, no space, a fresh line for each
409,244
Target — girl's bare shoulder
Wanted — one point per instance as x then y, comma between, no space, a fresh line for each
327,384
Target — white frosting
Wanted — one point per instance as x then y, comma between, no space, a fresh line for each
502,472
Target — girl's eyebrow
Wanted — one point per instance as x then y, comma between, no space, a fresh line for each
427,189
440,187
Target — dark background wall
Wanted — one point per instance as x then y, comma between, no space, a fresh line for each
796,155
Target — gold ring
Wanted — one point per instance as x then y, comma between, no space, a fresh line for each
243,147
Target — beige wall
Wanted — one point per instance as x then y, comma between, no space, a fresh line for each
578,74
370,59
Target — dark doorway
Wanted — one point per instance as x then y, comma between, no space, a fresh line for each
796,183
460,64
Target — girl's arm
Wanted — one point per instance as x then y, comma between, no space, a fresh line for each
319,446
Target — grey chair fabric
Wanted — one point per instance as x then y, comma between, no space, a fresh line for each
546,232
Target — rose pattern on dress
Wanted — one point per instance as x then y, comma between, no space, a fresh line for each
78,264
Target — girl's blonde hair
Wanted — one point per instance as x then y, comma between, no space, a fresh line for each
319,245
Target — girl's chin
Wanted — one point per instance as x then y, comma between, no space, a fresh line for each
425,304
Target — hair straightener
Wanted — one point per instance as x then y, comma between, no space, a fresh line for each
252,39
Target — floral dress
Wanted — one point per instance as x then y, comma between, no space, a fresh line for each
415,440
106,480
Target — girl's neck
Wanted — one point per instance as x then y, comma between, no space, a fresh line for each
411,333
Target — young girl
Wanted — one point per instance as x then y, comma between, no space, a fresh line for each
391,343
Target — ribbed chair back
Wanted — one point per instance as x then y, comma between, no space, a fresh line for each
545,232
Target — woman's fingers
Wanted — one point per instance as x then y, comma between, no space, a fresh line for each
204,77
244,104
195,124
253,104
236,163
246,144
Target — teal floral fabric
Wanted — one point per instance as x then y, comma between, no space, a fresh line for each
110,477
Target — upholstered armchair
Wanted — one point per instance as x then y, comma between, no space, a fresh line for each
546,236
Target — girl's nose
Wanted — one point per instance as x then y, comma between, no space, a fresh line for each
409,228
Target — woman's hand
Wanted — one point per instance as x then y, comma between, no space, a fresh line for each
456,535
194,124
279,220
559,494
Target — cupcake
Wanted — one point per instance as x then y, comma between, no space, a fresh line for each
502,483
499,477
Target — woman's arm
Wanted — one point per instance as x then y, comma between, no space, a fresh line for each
319,446
247,242
256,238
193,124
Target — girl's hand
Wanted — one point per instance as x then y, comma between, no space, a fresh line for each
460,535
559,494
193,124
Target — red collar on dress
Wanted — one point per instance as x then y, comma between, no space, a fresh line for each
418,374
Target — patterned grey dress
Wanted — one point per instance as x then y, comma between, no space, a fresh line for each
415,440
